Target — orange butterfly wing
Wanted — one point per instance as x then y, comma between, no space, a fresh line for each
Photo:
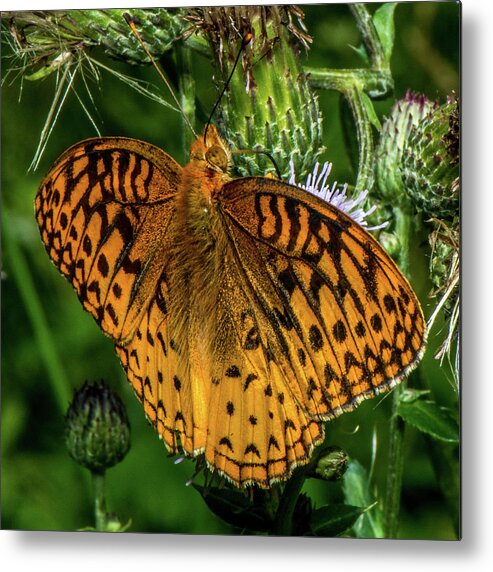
360,322
103,212
323,319
106,213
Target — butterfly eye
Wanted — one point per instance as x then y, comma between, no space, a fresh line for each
217,158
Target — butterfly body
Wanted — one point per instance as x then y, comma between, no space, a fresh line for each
245,311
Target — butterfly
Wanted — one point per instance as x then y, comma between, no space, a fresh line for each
246,312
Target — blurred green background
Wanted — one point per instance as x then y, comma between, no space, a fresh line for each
42,488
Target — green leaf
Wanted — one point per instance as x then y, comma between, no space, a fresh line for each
370,111
362,53
384,24
235,508
333,520
429,418
411,395
357,492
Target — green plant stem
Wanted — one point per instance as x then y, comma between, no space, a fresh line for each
354,98
376,83
100,515
21,273
369,34
397,426
394,469
283,523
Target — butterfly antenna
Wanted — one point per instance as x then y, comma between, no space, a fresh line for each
132,26
246,40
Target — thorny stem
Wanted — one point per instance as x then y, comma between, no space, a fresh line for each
370,37
376,83
354,98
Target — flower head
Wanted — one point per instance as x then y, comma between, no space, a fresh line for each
394,137
430,163
97,430
330,464
316,184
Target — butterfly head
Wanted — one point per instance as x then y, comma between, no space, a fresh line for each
213,151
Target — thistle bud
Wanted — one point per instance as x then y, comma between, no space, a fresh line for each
159,28
394,139
330,464
430,163
269,105
97,430
53,38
